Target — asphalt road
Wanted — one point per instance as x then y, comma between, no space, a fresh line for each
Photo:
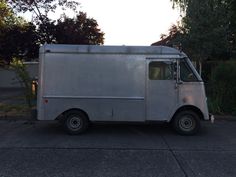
43,149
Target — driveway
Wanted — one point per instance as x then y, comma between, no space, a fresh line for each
43,149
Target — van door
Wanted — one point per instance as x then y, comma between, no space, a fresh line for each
161,90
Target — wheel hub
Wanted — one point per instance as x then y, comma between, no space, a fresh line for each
75,122
186,123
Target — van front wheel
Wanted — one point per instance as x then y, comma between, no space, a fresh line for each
186,122
75,122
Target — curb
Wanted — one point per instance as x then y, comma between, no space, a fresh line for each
222,117
15,118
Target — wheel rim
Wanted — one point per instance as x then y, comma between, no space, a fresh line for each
74,122
187,123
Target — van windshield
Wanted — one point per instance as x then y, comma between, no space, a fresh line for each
186,73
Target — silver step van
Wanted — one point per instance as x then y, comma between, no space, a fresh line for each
79,84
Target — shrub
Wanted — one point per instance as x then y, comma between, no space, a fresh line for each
24,78
222,90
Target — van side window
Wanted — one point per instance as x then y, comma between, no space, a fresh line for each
160,70
186,74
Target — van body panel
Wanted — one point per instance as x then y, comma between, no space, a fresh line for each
193,94
161,96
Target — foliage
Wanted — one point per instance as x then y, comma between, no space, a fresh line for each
41,8
208,30
232,25
46,31
222,91
174,37
182,4
21,39
24,78
17,37
6,14
81,29
78,30
207,27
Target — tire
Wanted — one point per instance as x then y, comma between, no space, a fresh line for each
75,122
186,122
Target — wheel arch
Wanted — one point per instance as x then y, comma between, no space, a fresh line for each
191,108
61,116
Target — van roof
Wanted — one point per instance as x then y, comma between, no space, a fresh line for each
153,50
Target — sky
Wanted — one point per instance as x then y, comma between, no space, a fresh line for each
131,22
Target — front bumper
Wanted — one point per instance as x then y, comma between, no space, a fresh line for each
211,118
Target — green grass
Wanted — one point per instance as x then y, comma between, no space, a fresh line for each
13,110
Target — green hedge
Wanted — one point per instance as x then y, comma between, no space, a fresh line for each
221,88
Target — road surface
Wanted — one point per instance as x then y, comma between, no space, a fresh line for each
43,149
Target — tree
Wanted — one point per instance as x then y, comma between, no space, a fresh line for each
19,41
206,28
174,38
83,29
17,37
79,30
207,24
46,31
40,10
5,14
232,38
211,33
24,78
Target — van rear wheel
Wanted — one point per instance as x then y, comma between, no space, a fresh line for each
186,122
75,122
